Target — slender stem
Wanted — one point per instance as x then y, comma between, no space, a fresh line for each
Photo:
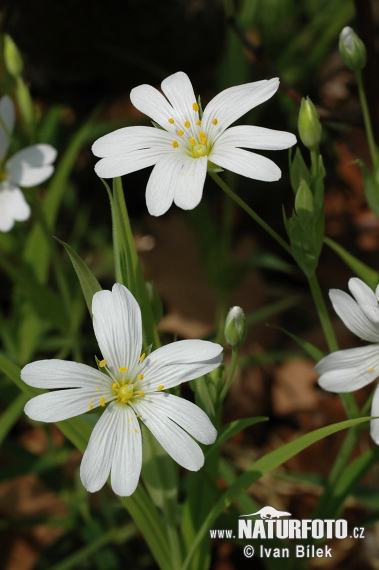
5,128
251,212
231,371
366,117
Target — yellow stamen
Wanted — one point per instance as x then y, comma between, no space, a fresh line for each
195,107
198,123
175,144
139,416
115,386
136,430
193,142
201,134
142,394
204,140
128,420
123,369
124,400
160,387
370,370
187,124
102,401
215,121
171,121
90,406
180,133
102,363
140,376
142,357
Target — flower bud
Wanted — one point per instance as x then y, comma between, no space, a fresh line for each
304,201
352,49
12,57
309,124
235,327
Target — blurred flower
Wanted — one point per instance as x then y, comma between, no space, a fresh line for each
352,49
28,167
351,369
132,384
186,144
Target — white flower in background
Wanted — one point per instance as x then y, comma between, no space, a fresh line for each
351,369
28,167
188,144
131,389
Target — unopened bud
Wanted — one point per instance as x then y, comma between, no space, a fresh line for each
235,327
12,57
304,200
352,49
309,124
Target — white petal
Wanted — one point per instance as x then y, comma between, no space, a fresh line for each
245,163
161,185
13,206
97,459
182,448
187,415
127,458
366,299
60,405
179,362
374,424
56,373
353,316
255,137
7,115
179,91
152,103
32,165
231,104
129,139
349,370
118,327
122,164
190,183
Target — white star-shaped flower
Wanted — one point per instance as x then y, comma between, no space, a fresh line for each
351,369
28,167
131,389
187,144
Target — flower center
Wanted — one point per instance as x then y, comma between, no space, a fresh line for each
125,393
190,138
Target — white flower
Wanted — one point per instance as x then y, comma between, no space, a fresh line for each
351,369
132,387
188,145
28,167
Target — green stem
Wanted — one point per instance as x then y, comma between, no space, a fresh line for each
5,128
251,212
231,371
366,117
348,399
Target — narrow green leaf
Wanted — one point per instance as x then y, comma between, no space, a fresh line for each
88,281
10,416
268,311
368,275
261,467
314,352
231,429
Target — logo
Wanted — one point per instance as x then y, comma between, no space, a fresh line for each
275,524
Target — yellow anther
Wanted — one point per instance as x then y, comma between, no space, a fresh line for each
160,387
195,107
187,124
115,386
370,370
171,121
204,140
124,400
90,406
102,401
123,369
102,363
142,357
142,394
98,388
140,376
215,121
201,134
198,123
139,416
180,133
128,420
136,430
193,142
175,144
